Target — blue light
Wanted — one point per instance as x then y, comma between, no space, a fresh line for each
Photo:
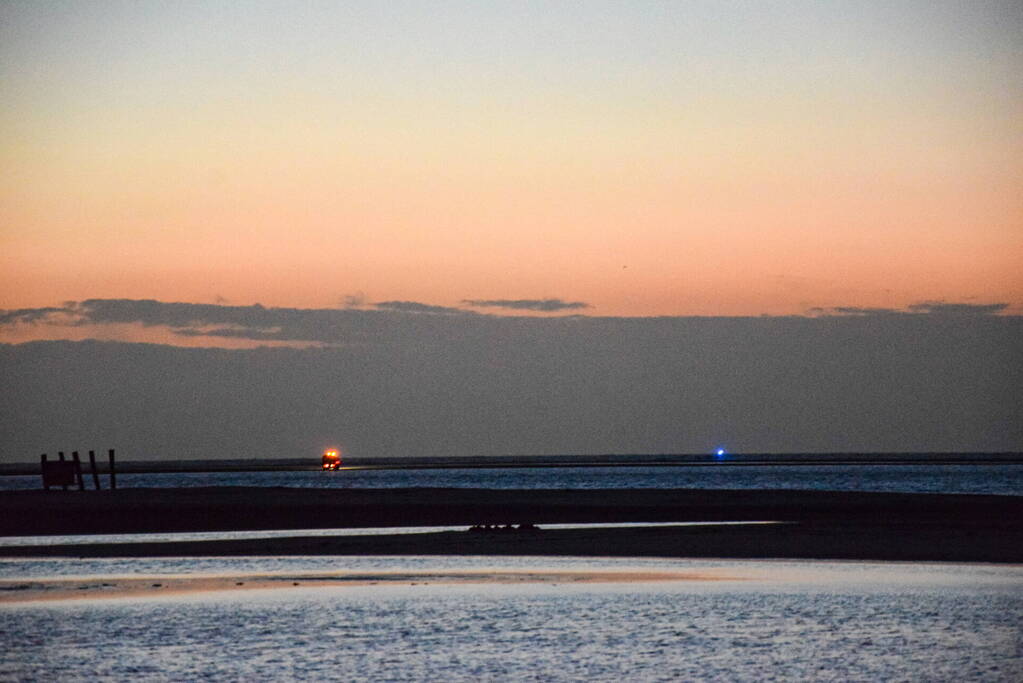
720,453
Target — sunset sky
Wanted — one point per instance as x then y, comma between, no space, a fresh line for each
642,158
492,228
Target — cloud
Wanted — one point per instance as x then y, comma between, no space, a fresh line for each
855,310
388,383
30,316
405,322
545,305
942,308
386,322
254,322
274,334
929,308
417,307
355,300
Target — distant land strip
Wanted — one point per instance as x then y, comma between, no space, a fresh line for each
139,466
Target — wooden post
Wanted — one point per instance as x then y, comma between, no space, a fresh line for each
78,470
57,473
60,454
92,466
113,473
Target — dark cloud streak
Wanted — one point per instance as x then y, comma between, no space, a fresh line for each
395,321
30,316
544,305
417,307
928,308
942,308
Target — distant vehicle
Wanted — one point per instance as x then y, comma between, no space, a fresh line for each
331,459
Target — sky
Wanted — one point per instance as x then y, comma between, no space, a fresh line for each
359,182
646,158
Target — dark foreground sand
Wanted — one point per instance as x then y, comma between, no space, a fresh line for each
822,525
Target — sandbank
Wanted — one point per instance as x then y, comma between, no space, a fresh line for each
821,524
110,588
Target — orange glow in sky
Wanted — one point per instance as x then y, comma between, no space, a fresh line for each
694,159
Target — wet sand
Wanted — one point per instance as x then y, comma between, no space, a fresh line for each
104,588
822,525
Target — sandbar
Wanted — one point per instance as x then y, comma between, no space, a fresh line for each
819,524
13,591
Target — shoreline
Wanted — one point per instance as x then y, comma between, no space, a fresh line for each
820,525
898,543
15,592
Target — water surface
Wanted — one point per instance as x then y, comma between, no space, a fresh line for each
1000,478
764,620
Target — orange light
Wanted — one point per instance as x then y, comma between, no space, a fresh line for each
331,459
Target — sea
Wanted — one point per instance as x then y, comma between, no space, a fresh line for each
758,621
1003,478
761,620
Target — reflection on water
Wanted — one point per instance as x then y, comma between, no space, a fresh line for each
784,620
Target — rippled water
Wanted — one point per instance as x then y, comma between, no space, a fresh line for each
766,620
1006,479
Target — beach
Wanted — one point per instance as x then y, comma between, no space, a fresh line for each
106,587
816,584
815,524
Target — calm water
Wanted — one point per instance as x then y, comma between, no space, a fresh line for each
1006,479
765,620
